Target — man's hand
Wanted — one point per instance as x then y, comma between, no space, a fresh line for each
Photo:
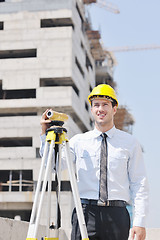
44,122
139,232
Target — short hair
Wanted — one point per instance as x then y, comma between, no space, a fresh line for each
113,102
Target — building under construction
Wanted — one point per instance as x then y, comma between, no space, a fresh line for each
50,57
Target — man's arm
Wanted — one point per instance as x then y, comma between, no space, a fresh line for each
44,122
44,125
139,192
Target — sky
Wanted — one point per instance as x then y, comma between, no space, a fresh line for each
137,75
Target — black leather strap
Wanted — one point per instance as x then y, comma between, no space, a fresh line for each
109,203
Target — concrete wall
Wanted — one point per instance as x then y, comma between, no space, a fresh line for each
23,200
17,230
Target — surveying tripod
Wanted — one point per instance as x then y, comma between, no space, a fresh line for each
56,136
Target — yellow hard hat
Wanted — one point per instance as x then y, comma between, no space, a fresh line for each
103,91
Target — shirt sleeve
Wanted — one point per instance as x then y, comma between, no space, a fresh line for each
138,186
41,152
42,139
72,146
63,155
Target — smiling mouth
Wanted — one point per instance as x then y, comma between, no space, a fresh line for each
101,115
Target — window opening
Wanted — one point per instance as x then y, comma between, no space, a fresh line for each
22,53
16,142
17,94
37,153
1,25
86,106
88,62
18,114
1,91
57,22
91,122
58,82
16,180
90,88
24,214
82,21
65,186
79,66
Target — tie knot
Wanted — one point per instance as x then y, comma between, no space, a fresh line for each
104,135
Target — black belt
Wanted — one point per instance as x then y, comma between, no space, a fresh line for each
109,203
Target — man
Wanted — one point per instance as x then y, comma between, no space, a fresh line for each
110,172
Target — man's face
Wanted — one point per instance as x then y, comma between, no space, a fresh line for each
103,112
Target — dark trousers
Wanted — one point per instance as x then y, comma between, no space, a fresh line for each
103,223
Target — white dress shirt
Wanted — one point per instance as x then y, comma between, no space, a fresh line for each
126,172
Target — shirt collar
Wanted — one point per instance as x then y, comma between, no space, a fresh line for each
110,133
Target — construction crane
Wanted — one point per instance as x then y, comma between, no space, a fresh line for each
131,48
108,6
104,4
109,52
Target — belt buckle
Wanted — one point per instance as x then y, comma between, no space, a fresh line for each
103,204
107,203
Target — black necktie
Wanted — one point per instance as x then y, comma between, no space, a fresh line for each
103,193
